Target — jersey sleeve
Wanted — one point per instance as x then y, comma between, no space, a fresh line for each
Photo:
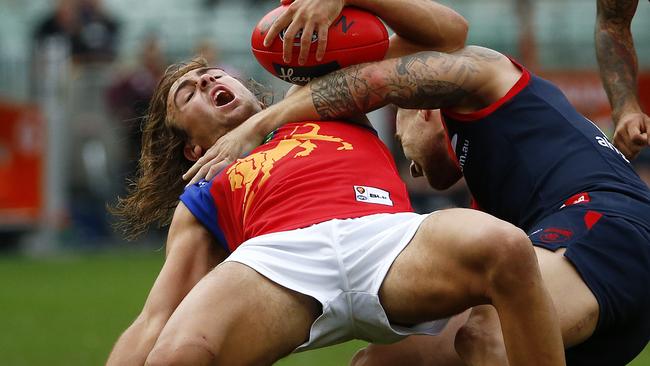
201,204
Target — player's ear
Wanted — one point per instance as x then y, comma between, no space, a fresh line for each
192,152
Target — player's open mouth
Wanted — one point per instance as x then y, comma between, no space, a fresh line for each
222,97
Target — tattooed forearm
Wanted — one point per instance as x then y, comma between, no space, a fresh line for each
615,52
332,97
427,80
417,84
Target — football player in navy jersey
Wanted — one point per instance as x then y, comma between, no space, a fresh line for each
529,158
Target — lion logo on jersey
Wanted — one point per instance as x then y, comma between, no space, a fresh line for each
246,171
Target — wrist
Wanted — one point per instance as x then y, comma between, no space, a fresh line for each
629,107
262,124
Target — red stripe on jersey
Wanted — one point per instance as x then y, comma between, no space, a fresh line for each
523,81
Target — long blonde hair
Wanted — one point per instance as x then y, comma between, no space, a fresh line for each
153,194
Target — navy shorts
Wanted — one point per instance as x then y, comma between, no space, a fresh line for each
608,241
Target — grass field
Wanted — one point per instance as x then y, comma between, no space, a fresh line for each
70,310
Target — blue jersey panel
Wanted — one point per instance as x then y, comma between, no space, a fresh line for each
200,202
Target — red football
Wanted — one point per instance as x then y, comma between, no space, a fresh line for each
356,36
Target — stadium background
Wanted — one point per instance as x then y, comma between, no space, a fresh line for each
68,284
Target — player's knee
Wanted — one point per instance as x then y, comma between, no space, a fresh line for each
183,354
511,258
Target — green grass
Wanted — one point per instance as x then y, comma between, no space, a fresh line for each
70,310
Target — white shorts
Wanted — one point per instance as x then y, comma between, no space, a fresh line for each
342,264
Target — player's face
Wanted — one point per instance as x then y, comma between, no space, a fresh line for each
416,133
207,102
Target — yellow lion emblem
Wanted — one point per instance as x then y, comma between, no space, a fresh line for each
245,171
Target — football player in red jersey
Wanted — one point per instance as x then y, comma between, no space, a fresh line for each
366,258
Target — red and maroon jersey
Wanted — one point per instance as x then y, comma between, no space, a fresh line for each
525,155
309,172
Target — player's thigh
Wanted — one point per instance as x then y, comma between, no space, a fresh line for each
241,317
443,269
417,350
576,305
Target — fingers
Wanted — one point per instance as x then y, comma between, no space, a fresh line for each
302,20
305,43
194,169
621,143
322,41
210,155
210,169
216,168
287,44
280,23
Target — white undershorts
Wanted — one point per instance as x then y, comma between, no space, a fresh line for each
342,264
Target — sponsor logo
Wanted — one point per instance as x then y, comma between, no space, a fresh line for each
576,199
372,195
604,142
555,235
461,151
303,74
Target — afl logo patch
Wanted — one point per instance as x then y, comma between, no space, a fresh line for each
372,195
555,235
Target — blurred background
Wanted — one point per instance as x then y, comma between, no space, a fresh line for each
75,79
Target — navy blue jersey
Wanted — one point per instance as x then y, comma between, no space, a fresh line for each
525,155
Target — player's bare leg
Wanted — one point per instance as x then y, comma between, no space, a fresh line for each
480,342
235,316
418,350
461,258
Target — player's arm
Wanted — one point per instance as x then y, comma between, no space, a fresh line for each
464,81
618,70
191,252
419,25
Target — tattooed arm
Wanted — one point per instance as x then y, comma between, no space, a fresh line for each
465,81
618,71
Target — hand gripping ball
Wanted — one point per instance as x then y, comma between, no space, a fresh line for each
356,36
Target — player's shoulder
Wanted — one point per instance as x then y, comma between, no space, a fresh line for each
494,74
